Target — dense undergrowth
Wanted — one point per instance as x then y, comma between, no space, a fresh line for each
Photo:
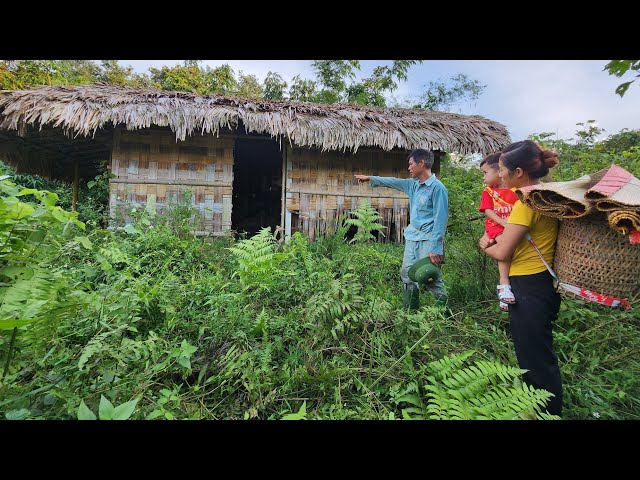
150,322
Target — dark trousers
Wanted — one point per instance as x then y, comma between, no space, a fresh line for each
531,318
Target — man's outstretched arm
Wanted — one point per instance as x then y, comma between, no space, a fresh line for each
401,184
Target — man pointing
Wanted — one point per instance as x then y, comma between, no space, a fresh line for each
428,216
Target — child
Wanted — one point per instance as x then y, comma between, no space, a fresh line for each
496,204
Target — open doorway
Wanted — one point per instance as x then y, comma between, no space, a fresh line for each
257,185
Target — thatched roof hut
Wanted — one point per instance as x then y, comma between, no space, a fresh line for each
47,130
85,111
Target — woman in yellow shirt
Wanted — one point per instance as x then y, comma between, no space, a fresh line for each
537,302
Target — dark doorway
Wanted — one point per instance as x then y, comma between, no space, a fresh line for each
257,185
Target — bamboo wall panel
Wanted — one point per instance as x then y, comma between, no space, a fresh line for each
151,170
321,188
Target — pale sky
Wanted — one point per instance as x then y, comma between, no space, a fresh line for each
527,96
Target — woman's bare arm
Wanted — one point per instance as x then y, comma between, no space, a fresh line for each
509,240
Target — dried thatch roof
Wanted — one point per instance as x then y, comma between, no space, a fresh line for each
89,109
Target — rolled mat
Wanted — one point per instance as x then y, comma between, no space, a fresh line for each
624,221
617,188
561,199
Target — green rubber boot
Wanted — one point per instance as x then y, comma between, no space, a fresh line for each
442,302
411,297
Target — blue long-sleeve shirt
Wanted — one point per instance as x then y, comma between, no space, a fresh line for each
428,208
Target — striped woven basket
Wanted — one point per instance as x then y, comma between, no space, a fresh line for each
591,255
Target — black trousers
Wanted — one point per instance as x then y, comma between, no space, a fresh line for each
531,318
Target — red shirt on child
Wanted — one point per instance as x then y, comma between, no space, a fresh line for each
501,201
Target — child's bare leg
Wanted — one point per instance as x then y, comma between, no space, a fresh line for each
503,268
504,288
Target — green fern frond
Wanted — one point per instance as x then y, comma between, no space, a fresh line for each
97,344
255,250
505,373
260,325
439,401
367,219
409,388
298,248
256,257
466,383
548,416
482,390
134,350
341,305
412,413
444,367
265,357
513,402
343,226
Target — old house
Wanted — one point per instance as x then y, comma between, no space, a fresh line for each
247,163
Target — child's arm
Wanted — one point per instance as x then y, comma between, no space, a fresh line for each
509,240
491,215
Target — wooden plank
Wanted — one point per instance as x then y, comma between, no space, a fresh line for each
205,233
153,171
210,172
227,173
171,182
151,203
226,212
345,194
112,204
133,167
287,228
209,203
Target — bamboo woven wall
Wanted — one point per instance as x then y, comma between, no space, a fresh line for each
151,169
321,187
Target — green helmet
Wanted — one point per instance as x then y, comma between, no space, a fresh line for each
424,272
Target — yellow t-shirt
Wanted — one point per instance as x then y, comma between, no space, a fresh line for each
544,231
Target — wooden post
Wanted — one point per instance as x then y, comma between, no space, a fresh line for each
283,205
288,220
74,203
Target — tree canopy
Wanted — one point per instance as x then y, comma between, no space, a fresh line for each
335,81
619,68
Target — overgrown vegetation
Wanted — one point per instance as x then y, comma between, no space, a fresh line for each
146,321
